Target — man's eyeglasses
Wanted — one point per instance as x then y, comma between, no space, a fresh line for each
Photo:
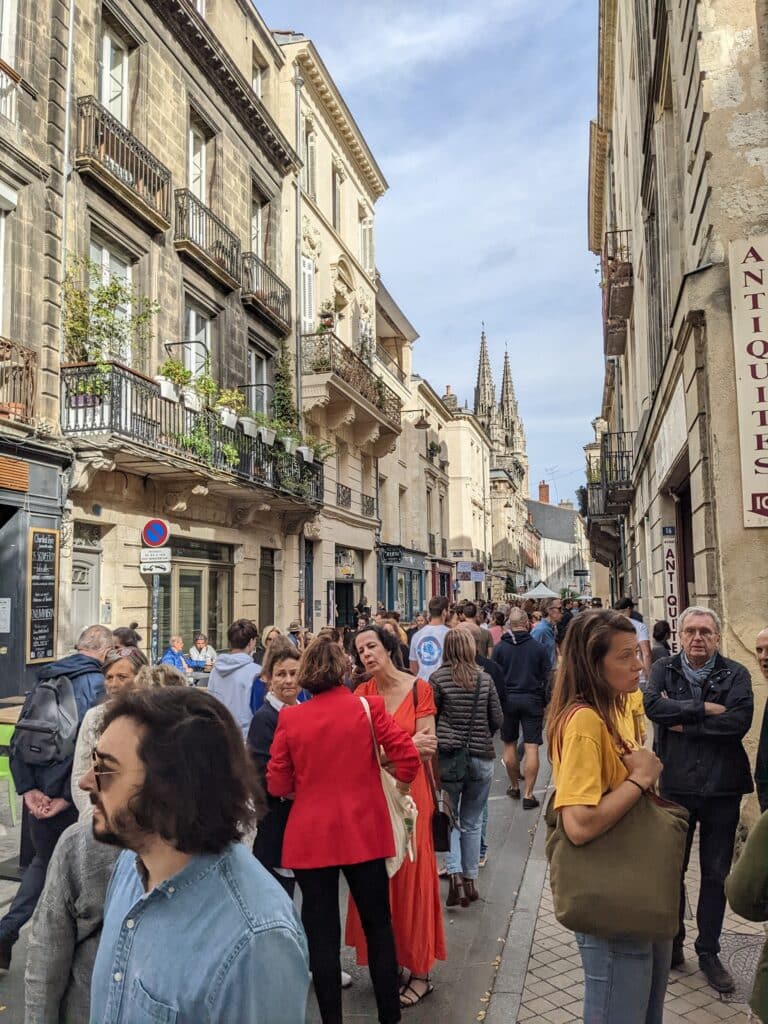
706,633
99,770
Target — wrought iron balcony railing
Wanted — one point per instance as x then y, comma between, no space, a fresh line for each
110,152
326,353
343,496
264,290
18,381
609,484
112,399
9,84
201,234
387,361
368,505
618,283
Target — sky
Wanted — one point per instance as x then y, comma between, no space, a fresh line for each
478,115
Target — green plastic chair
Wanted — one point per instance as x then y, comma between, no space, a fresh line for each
6,731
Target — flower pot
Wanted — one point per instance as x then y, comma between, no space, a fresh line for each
84,401
327,320
306,453
266,435
11,410
289,444
167,389
228,417
248,423
191,399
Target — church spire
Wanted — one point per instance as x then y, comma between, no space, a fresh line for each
508,399
485,390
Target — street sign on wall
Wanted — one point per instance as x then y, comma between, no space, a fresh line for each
671,595
155,568
155,533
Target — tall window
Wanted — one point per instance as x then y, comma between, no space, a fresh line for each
196,156
260,211
8,31
113,267
309,161
197,334
258,74
401,514
429,510
113,75
336,199
365,226
307,295
259,396
4,289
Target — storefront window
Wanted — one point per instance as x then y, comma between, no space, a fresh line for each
195,597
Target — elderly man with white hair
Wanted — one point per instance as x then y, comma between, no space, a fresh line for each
701,705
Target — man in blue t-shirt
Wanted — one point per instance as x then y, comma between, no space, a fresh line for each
426,652
546,630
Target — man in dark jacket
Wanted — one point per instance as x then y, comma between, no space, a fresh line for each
701,704
46,788
526,666
761,767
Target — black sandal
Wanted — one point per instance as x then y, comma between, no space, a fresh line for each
409,991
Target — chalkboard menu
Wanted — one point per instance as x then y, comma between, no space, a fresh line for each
42,594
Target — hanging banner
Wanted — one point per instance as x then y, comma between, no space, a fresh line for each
671,594
749,313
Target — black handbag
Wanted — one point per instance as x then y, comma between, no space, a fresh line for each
454,764
443,815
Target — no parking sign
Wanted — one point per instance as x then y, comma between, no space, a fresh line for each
155,533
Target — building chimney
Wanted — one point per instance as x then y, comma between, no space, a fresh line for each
449,399
544,492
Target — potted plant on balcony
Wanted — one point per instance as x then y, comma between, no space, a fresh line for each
321,450
229,454
206,388
327,317
433,449
230,404
198,442
289,440
263,427
172,376
306,451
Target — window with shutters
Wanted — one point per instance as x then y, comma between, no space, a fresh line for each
196,161
113,73
307,295
365,226
259,73
336,199
260,223
197,337
259,378
309,159
8,31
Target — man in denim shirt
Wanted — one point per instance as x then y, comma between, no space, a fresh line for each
195,930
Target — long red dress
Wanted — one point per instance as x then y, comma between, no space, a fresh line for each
414,892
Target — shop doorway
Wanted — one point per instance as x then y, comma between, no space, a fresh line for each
686,579
309,583
266,588
86,566
345,605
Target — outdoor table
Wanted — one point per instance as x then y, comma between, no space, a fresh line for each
200,679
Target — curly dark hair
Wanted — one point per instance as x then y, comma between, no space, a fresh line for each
201,790
389,642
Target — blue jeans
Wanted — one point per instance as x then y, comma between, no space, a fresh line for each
469,798
484,831
625,980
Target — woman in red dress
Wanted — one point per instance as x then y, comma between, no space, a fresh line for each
414,894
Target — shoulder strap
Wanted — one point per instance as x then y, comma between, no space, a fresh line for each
478,682
376,752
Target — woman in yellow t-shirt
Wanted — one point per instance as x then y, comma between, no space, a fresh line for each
600,773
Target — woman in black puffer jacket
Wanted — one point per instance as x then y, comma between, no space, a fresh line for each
468,714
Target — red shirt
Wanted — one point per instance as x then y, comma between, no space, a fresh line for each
323,754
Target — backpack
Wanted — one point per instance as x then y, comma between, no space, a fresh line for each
47,727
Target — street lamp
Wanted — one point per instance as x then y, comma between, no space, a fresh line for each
422,423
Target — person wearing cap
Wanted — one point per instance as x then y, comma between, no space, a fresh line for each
294,633
625,606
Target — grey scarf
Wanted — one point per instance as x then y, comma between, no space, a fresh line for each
697,677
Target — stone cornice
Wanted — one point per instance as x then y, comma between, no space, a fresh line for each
208,53
598,157
599,130
315,73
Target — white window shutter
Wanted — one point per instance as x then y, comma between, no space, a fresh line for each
307,295
311,165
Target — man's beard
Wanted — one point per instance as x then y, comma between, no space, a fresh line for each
120,832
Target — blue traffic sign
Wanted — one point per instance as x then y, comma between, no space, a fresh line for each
155,533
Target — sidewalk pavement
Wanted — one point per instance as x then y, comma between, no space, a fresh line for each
540,978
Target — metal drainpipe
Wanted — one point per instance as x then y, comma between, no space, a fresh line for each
298,82
66,167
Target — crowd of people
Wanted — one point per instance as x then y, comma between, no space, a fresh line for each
226,798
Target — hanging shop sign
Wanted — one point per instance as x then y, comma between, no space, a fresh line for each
391,553
42,594
671,594
470,572
749,312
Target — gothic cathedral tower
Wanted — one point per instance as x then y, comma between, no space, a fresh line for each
501,421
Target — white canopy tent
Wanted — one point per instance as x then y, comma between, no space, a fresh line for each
539,591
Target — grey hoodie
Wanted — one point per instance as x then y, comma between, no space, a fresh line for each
231,681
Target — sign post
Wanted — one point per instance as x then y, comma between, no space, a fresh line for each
671,595
155,535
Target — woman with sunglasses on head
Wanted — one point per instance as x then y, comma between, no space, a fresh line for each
122,672
599,777
417,917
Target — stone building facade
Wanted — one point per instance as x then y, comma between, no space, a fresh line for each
678,214
563,550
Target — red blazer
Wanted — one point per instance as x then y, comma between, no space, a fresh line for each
323,754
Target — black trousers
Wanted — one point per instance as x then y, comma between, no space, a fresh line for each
717,818
44,833
369,885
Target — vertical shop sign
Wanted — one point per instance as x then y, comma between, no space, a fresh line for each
671,594
749,312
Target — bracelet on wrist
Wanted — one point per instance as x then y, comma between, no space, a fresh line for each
636,783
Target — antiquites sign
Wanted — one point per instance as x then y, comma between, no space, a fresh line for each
749,310
671,596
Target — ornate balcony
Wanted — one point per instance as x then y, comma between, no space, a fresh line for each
122,412
343,496
389,363
617,274
368,505
204,238
341,383
18,381
615,337
113,156
265,293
